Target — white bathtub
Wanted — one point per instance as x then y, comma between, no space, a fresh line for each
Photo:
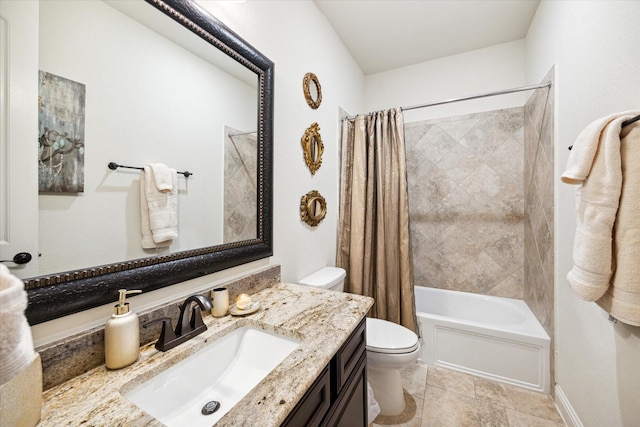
492,337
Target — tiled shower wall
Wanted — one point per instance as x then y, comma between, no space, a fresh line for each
240,203
466,202
538,190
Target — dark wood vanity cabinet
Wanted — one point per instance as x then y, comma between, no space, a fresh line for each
338,397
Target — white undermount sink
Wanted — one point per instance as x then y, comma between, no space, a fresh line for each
224,371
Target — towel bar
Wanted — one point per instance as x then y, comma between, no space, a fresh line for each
114,166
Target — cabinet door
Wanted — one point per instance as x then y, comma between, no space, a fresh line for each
313,406
347,358
352,406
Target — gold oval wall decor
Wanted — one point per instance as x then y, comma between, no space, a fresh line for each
313,208
312,147
312,90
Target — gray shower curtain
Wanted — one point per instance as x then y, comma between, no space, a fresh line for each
373,229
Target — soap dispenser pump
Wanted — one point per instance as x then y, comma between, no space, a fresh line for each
122,334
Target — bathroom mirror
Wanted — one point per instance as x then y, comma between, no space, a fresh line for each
312,90
312,147
67,291
313,208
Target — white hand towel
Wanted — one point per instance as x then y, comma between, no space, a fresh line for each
158,206
622,299
164,177
595,163
16,343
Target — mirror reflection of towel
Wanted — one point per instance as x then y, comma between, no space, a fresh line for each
158,205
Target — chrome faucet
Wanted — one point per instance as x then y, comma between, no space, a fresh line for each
187,327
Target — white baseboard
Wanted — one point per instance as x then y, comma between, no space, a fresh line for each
565,409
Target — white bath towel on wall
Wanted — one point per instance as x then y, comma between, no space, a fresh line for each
595,163
622,298
158,205
16,343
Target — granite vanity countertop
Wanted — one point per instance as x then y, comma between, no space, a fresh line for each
321,320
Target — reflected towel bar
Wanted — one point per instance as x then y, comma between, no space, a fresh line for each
113,166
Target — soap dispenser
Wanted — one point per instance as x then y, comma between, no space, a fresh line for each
122,334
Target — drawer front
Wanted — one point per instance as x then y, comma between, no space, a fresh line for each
347,357
314,404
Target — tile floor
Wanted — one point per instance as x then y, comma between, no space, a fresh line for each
445,398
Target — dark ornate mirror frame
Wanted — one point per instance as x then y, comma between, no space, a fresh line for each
70,292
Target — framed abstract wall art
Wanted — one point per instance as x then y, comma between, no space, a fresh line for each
61,114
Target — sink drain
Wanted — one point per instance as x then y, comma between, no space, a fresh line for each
210,407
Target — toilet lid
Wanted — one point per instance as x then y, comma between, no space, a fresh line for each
388,337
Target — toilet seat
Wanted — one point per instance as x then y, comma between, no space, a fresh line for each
390,338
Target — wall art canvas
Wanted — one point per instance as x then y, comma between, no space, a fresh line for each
61,111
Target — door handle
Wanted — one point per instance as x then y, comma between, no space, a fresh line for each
19,258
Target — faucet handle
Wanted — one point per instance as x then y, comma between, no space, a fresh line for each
196,318
166,334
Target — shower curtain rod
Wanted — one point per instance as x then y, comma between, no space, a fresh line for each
466,98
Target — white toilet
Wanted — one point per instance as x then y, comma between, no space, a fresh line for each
390,347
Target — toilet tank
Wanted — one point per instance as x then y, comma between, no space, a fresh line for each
331,278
